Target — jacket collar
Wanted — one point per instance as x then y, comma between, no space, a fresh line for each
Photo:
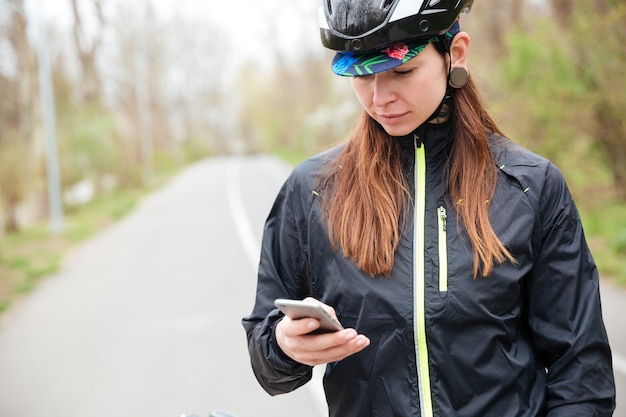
436,137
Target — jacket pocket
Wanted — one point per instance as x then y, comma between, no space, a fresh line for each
443,248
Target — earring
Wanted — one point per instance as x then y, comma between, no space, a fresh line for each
458,77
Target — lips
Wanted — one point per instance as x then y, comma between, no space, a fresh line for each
392,117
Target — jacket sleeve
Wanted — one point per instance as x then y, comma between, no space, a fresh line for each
282,274
564,310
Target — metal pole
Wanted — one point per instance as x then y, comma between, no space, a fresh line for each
49,123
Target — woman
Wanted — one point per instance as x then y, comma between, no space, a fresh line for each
454,259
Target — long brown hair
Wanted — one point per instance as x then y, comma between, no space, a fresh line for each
366,193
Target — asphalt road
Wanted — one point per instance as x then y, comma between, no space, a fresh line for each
144,319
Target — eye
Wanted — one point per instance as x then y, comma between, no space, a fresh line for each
404,73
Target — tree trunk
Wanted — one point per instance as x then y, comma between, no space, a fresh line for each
610,134
90,89
27,65
563,10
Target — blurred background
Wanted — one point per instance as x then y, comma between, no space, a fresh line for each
113,97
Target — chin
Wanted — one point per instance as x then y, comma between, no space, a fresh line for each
399,131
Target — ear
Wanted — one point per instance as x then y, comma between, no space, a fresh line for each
459,50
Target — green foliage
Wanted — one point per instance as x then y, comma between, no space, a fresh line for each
606,231
87,148
599,35
541,84
549,100
541,66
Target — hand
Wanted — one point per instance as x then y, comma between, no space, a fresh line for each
314,349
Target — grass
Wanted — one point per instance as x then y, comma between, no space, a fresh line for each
606,234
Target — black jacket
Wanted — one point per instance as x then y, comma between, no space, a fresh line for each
527,341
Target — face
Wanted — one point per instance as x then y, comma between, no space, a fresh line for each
403,98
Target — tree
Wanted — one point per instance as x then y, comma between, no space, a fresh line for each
598,33
14,175
491,21
563,11
87,51
18,116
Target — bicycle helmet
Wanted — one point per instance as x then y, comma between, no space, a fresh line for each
372,36
361,25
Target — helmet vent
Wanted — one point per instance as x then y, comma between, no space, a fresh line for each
329,3
386,4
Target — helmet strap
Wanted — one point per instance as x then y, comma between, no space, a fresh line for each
442,113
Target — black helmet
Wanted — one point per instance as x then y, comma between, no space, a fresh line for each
360,25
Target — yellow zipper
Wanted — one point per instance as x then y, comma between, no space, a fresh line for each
443,248
421,347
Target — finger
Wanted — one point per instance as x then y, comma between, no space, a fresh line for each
328,345
293,328
333,354
309,346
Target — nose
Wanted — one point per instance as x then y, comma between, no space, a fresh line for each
383,91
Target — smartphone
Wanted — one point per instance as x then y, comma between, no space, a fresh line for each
297,309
